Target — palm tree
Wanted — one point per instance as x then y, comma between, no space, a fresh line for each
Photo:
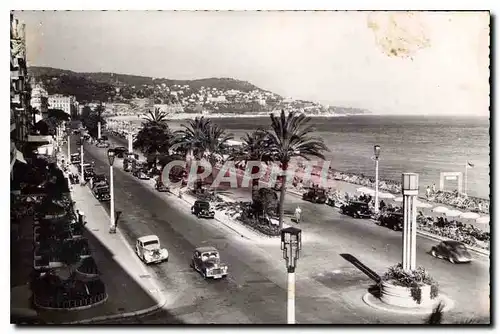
155,135
216,142
156,117
193,137
254,148
290,136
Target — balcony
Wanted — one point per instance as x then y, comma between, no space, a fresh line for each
16,99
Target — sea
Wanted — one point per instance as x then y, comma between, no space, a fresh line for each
419,144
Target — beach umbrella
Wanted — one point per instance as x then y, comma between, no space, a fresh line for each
398,199
386,195
469,215
483,220
453,213
423,205
440,209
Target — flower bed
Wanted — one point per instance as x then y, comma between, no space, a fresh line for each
455,230
243,213
53,293
88,267
416,280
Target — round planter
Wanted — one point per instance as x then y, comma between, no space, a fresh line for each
401,296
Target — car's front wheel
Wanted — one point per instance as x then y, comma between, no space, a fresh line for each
452,260
433,252
395,227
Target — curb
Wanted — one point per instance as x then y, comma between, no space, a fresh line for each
377,304
160,304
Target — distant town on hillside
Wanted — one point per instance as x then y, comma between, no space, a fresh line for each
132,94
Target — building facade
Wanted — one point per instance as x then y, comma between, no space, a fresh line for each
39,101
21,120
64,103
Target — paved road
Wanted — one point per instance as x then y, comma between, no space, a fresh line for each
329,288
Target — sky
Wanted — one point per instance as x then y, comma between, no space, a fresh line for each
425,63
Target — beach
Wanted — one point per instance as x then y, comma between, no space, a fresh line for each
424,145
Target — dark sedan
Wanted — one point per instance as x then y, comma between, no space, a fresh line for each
453,251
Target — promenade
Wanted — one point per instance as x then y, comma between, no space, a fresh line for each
327,235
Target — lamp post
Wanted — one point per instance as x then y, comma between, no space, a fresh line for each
410,193
69,147
81,161
291,244
112,225
376,150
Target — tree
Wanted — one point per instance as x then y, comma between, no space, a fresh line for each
289,137
265,201
59,115
193,137
254,148
155,135
216,143
91,119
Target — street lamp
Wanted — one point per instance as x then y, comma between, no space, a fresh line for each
68,132
376,150
291,244
112,225
410,193
81,161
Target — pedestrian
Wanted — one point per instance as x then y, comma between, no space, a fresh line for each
428,191
433,188
298,212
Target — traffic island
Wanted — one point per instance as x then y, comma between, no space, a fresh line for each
407,292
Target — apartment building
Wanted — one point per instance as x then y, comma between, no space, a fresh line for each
21,120
62,102
39,101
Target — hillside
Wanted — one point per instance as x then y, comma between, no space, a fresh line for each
104,86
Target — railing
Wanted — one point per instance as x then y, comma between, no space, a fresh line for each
71,304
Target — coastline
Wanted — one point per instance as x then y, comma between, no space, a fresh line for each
185,116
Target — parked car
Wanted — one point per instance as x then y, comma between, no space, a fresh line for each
75,158
102,144
149,250
98,179
101,192
120,151
141,174
206,261
356,209
392,220
160,186
88,172
315,195
202,209
452,250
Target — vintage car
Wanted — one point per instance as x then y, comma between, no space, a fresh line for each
139,170
202,209
101,192
453,251
75,158
88,172
356,209
98,179
148,249
206,261
160,186
120,151
102,144
392,220
315,195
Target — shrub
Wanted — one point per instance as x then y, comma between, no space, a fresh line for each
414,280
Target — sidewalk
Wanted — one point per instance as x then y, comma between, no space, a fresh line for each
131,289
